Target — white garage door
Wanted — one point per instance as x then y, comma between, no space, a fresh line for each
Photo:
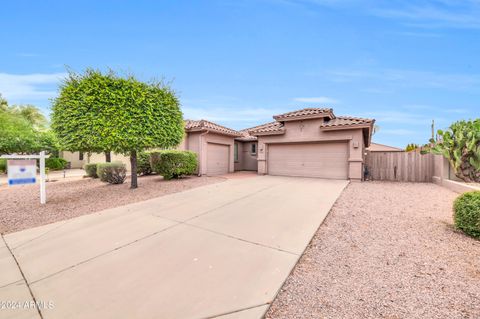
324,160
217,159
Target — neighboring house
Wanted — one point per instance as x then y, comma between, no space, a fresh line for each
311,142
78,159
375,147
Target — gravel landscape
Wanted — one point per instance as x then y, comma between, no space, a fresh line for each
386,250
21,208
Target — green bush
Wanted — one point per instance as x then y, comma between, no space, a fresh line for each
91,170
113,173
3,165
173,164
467,213
143,164
55,163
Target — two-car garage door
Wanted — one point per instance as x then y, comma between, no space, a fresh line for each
324,160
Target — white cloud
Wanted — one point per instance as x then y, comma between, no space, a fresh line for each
435,109
29,86
419,13
402,117
408,78
433,14
319,99
229,114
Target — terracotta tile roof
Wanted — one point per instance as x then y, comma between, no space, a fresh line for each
305,113
342,121
246,136
204,125
272,127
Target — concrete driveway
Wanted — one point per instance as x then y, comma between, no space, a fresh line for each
222,250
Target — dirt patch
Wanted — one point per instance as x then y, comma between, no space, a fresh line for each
386,250
20,206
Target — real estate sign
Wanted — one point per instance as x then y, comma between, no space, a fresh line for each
21,172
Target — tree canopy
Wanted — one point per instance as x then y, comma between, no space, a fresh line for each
3,103
24,129
411,147
101,112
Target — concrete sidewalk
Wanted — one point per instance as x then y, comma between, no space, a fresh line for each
222,250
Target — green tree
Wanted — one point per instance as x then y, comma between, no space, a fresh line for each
23,129
3,103
100,112
32,114
16,134
411,147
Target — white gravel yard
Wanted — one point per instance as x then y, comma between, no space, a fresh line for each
20,207
386,250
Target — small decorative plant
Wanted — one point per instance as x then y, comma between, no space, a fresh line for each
91,170
174,164
3,165
143,164
113,173
55,163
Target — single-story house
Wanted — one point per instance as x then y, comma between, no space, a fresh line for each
376,147
311,142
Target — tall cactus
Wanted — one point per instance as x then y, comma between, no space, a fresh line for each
460,144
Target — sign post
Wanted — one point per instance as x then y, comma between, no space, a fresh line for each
23,170
43,191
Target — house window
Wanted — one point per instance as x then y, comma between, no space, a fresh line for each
253,149
235,152
80,156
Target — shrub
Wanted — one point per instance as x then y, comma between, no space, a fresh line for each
91,170
467,213
113,173
143,164
55,163
3,165
174,164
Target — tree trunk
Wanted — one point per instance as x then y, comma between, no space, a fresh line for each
133,164
108,157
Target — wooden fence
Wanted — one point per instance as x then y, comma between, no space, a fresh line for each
400,166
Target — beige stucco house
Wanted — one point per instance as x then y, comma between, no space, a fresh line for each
376,147
311,142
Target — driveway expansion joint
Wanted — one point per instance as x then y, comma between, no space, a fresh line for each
243,240
230,202
11,283
41,235
23,276
236,311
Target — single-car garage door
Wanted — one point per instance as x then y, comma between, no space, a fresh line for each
324,160
217,159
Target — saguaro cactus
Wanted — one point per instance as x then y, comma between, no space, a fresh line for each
460,144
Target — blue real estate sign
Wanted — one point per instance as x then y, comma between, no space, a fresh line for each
21,172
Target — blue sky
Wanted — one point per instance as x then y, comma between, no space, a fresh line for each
238,63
